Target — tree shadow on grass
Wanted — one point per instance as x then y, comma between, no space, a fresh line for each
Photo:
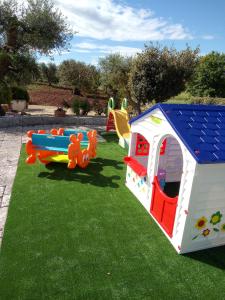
110,137
213,256
91,175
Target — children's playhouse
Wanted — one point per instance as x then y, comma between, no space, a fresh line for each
176,168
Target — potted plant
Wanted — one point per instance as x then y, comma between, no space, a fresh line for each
20,98
60,112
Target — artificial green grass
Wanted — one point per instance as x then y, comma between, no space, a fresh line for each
81,234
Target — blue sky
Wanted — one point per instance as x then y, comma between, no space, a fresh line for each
108,26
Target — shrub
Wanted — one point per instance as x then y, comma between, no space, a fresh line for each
65,104
19,93
76,106
85,106
98,108
5,93
2,112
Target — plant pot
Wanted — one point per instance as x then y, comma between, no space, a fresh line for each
60,113
18,105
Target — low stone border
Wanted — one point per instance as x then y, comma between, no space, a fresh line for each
14,121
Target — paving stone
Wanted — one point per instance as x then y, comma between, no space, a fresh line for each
8,189
3,216
2,189
5,201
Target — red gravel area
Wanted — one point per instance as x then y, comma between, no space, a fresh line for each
45,95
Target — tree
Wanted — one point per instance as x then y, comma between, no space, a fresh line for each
26,70
114,70
158,74
209,76
78,75
49,73
28,29
5,93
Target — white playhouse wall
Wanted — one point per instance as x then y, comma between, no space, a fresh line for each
207,203
137,184
155,133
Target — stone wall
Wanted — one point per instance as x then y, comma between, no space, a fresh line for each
12,121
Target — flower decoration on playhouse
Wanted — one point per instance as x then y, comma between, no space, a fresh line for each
202,223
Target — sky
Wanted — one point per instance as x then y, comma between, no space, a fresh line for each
112,26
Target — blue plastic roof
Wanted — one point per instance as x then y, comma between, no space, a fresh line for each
200,127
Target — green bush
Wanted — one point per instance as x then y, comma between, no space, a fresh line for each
76,106
99,108
2,112
5,93
19,93
85,106
5,62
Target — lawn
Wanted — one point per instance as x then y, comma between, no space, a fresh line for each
81,234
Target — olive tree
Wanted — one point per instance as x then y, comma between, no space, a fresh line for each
78,75
158,73
49,73
29,28
114,71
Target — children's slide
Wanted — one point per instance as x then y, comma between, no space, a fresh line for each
118,120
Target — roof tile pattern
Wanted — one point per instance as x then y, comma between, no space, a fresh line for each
200,127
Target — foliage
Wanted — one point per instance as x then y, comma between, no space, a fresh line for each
37,26
209,76
85,106
65,104
76,106
5,93
25,69
26,29
2,111
197,100
79,76
99,108
114,70
49,73
160,73
5,62
19,93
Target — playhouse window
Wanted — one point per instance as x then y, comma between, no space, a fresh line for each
142,146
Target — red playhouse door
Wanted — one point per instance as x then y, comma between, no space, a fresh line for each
163,208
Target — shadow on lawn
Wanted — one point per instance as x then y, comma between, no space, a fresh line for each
92,174
213,256
110,137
